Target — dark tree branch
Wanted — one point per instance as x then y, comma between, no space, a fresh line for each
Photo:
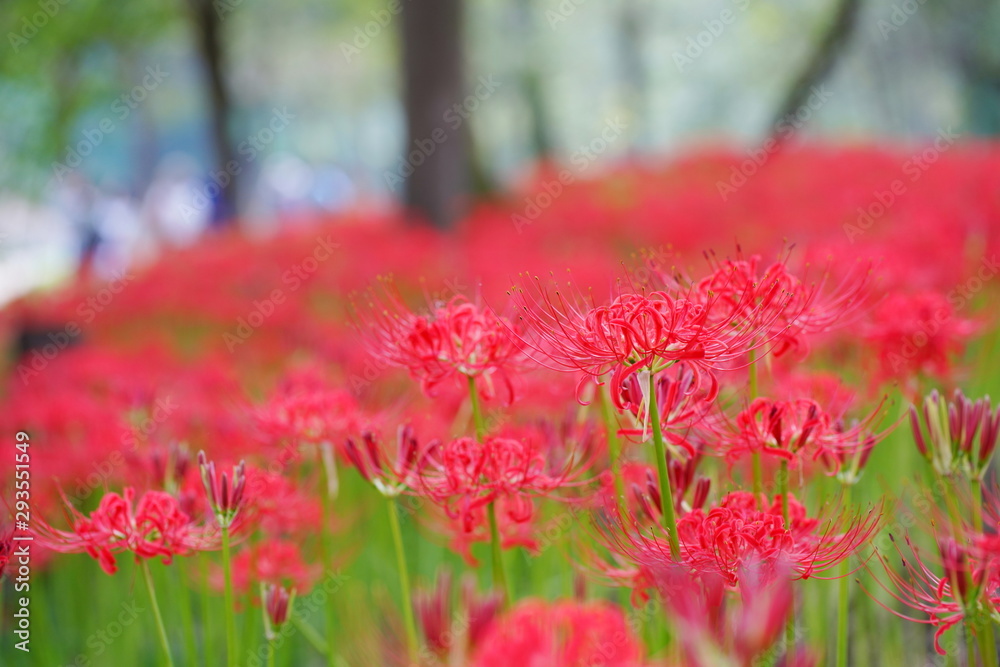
823,59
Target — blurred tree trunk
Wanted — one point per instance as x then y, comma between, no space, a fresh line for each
437,125
635,79
207,25
819,65
530,80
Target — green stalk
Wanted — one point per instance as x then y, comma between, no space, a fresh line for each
227,567
404,583
970,643
614,445
187,620
477,413
843,598
309,632
206,610
161,630
270,653
500,579
977,503
666,494
786,515
329,475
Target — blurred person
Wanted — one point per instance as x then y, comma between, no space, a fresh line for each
177,207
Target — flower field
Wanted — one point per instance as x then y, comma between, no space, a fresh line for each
699,413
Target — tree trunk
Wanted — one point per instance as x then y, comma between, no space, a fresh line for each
207,25
437,161
822,61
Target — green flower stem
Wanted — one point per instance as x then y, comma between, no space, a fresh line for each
987,643
786,516
326,464
161,630
977,503
187,620
614,445
666,494
477,413
843,597
309,632
500,578
227,566
404,583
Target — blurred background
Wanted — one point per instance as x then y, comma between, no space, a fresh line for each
130,127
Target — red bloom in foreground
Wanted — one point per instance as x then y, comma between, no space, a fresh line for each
637,331
943,598
723,539
437,617
455,339
464,475
560,634
715,629
803,310
154,527
787,429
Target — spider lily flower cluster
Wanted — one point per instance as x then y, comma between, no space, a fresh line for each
672,436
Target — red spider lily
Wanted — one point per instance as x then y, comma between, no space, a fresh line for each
917,333
278,602
154,527
560,634
391,478
715,630
516,522
804,310
281,506
736,531
6,547
682,478
847,449
945,599
637,331
452,637
950,443
790,430
679,403
463,475
225,496
305,411
455,339
272,561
